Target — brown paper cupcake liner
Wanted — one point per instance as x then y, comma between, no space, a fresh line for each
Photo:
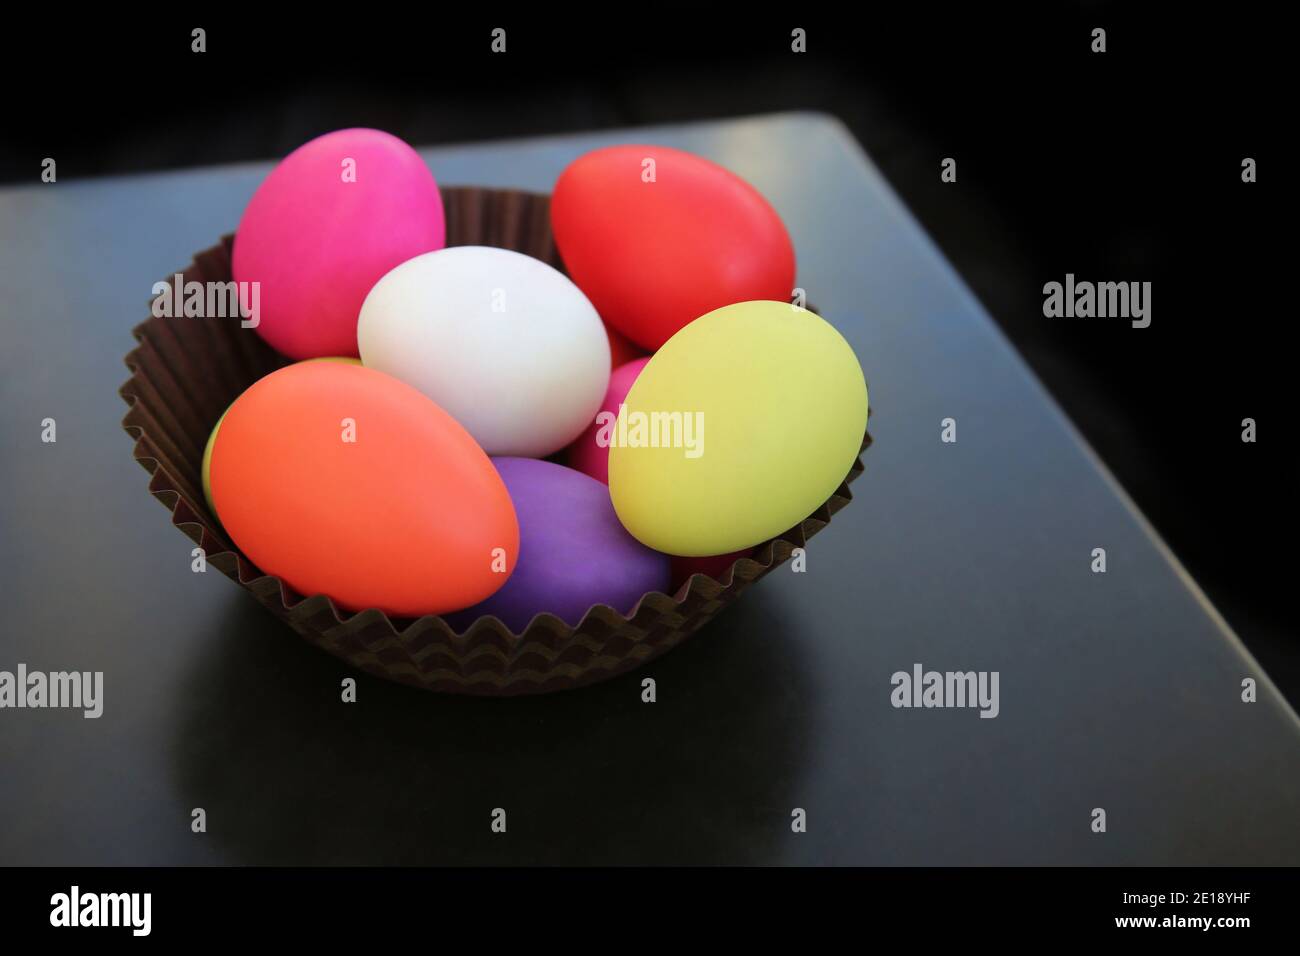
186,371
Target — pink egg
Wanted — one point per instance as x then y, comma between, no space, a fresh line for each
329,221
587,454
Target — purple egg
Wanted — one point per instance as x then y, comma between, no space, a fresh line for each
573,551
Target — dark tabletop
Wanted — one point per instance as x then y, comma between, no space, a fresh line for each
1119,690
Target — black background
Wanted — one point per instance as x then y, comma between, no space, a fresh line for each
338,906
1122,166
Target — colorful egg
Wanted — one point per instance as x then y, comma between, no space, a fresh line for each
326,224
206,467
714,566
205,471
657,237
573,552
506,344
621,349
742,425
346,482
590,453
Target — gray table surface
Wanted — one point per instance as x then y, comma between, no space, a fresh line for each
1119,690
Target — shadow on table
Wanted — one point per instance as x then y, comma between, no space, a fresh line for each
287,773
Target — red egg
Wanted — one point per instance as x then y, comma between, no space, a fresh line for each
657,237
714,566
344,481
621,350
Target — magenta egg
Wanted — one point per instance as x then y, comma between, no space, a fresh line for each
590,453
330,220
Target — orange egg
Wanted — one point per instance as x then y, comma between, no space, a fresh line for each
344,481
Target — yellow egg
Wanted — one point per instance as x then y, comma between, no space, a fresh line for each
207,466
740,426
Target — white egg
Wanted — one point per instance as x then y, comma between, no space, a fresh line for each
506,344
